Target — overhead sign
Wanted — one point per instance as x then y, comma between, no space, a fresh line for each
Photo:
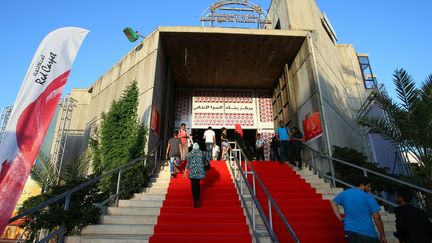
235,11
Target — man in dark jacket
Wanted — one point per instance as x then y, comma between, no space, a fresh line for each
412,224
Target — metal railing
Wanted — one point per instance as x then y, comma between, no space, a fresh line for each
314,154
155,153
238,160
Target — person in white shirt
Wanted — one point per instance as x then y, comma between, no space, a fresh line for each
210,141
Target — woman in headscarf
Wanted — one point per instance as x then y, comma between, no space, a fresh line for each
195,167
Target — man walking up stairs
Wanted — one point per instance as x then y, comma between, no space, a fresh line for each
329,193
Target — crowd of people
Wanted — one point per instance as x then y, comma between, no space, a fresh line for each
361,210
197,162
181,148
287,144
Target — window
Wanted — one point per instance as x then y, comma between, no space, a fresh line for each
368,77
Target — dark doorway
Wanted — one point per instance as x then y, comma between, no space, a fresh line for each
249,136
198,136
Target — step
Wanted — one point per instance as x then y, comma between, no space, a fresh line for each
202,238
159,184
309,176
322,185
204,203
328,196
155,190
133,211
108,239
314,180
160,180
140,203
141,196
210,228
335,190
129,219
202,218
163,176
118,229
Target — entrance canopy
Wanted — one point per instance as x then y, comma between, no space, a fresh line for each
205,57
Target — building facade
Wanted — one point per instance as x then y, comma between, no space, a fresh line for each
208,76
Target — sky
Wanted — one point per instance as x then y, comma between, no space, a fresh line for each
394,34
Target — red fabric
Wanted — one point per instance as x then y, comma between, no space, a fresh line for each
219,218
182,164
155,123
183,136
312,126
239,129
4,169
309,215
31,127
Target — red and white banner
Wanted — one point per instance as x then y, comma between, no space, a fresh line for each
312,126
32,113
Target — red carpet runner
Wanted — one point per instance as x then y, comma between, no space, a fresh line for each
218,219
309,215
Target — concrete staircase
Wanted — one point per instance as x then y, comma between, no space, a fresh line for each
329,193
133,220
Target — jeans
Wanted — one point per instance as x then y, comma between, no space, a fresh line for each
283,150
209,151
176,160
275,154
259,154
185,151
354,237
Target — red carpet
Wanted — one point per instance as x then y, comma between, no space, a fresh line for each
309,215
218,219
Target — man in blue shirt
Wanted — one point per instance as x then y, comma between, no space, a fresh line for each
359,206
282,134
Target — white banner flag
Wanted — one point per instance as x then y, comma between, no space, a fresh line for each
32,113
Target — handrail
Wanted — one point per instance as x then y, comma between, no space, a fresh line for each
365,172
256,203
271,201
67,195
373,195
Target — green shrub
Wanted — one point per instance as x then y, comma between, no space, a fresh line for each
81,210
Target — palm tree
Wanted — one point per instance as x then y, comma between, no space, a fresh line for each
77,169
408,122
45,173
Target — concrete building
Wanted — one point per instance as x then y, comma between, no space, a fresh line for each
208,76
